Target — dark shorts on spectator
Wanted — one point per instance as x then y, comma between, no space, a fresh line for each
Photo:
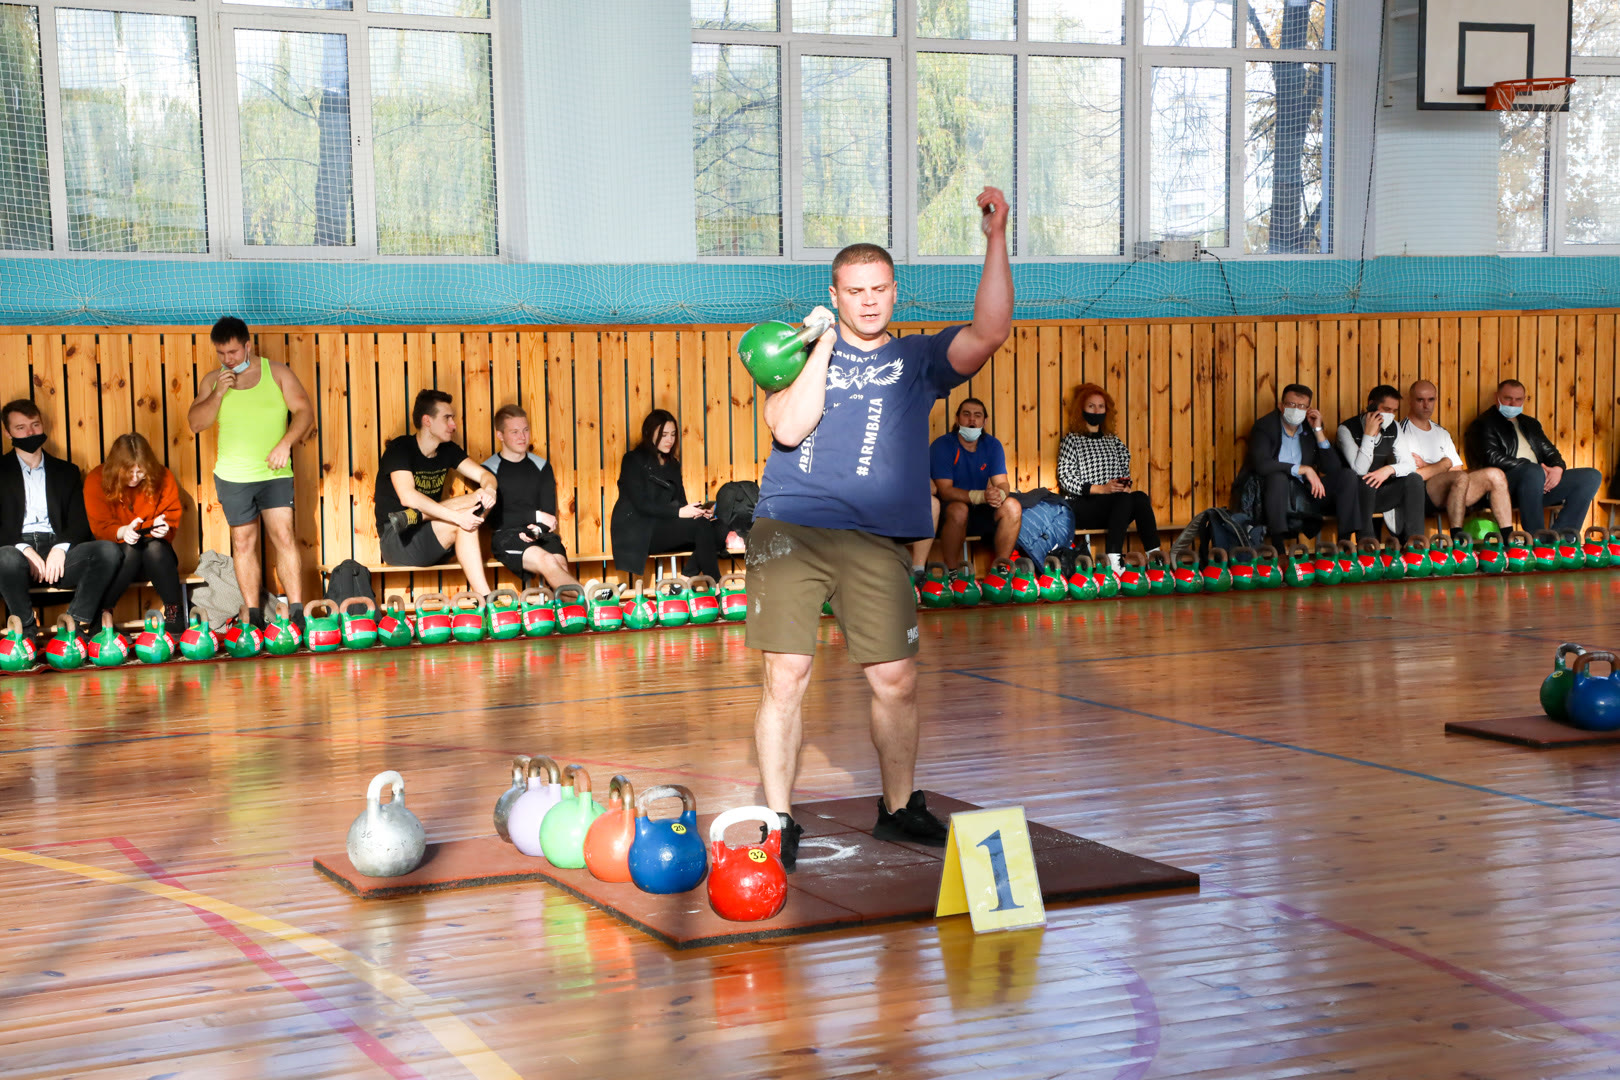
416,546
244,503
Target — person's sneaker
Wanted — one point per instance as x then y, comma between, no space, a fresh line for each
791,831
404,519
917,574
913,823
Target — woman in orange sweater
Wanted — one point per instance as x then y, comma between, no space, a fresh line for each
133,501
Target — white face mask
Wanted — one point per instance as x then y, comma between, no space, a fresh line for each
1293,417
971,434
1510,411
1389,420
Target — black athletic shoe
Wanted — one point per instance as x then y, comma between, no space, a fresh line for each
256,618
912,823
791,831
404,519
295,615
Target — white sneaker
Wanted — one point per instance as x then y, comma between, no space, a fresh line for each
1116,561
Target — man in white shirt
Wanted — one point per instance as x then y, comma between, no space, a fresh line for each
1445,480
1376,450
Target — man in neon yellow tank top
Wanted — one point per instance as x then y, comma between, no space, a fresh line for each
253,468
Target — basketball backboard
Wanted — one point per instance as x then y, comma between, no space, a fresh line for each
1466,45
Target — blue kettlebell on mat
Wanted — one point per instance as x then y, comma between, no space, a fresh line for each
667,855
1594,701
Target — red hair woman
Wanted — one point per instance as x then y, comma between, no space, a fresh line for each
132,500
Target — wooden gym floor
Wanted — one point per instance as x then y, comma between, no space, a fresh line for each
1380,900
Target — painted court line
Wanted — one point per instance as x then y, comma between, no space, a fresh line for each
434,1014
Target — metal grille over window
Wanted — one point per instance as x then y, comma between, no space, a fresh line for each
737,148
845,162
1076,185
964,141
25,196
1190,175
968,20
1090,22
863,17
1286,132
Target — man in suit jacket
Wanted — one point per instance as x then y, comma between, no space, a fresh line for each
1504,438
1287,450
44,534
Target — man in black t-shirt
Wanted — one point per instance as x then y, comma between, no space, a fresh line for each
416,525
525,516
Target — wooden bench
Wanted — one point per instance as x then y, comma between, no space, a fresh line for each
45,596
575,560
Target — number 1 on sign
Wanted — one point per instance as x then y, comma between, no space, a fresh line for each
989,871
998,867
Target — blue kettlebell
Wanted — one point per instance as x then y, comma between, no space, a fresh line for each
1594,701
667,855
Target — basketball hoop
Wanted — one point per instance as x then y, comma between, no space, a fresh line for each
1529,95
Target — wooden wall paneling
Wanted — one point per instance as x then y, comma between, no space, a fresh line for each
1266,385
1247,407
1024,453
82,400
478,410
1490,369
306,463
1396,336
1328,340
1094,364
45,350
363,446
1343,402
588,475
639,388
1132,415
1053,390
744,396
1445,376
1157,421
561,437
1287,345
1425,363
1580,386
146,380
614,367
1003,402
1306,349
1603,398
1225,466
1203,420
333,410
693,404
1181,427
15,377
505,379
1524,353
1468,380
1117,350
1561,424
1072,370
532,391
180,446
716,415
1544,400
1372,345
115,387
419,375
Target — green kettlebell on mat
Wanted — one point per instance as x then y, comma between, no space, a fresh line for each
394,624
1415,558
1300,571
1440,564
640,611
1367,557
1325,564
1024,589
573,617
775,352
703,599
1083,582
1463,559
935,588
198,642
107,647
1217,573
1050,581
675,604
1187,578
1596,548
432,618
1555,687
998,582
1545,550
1244,562
358,618
603,607
1492,555
153,645
563,829
965,592
1350,572
1133,580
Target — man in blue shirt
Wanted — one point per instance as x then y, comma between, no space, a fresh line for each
846,487
969,470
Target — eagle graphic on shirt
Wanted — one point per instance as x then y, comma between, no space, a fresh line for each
856,377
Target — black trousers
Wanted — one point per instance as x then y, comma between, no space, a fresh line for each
1403,494
1343,501
706,539
1114,511
148,560
88,571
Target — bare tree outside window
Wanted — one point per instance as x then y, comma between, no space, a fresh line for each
737,148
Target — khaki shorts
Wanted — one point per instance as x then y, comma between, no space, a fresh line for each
793,569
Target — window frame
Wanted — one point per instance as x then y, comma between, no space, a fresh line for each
1555,208
217,22
1138,60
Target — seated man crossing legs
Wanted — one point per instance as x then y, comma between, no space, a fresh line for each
1450,486
524,521
1291,460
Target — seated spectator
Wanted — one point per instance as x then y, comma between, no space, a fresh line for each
524,520
416,524
1447,483
653,515
969,469
1374,446
1094,474
1297,470
45,537
134,501
1504,438
921,548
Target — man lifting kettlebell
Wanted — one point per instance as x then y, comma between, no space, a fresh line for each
845,489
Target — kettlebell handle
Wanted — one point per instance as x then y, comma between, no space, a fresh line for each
1027,565
395,602
1417,543
520,770
740,578
538,595
1602,534
365,601
278,608
666,791
1135,560
575,590
1237,554
14,624
391,779
512,595
458,602
1438,542
1586,659
1547,533
1516,533
68,621
1156,558
539,764
928,571
1085,563
1267,551
1564,649
762,814
426,603
624,791
692,582
1187,558
673,585
578,778
151,613
107,623
199,615
1219,556
603,592
315,609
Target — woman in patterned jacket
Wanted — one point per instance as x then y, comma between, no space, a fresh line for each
1094,471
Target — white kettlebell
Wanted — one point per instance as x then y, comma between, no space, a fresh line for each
386,840
543,791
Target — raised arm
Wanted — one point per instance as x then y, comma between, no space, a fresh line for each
993,302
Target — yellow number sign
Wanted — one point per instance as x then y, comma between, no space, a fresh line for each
990,871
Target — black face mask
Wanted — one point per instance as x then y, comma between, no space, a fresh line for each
29,443
1095,419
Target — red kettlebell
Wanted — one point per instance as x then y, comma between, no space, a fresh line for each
608,840
747,884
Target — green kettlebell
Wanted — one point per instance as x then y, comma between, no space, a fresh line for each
1024,589
323,630
1083,582
1596,550
107,647
733,597
1440,564
281,635
467,617
1349,563
1050,581
674,604
241,639
703,599
198,642
1545,550
1492,555
1415,558
1391,556
935,588
1245,560
1108,584
1520,559
775,352
394,624
602,607
65,650
1367,557
965,592
1268,568
1463,559
1325,564
539,612
563,829
998,582
1217,573
1187,578
503,615
572,615
1133,580
17,648
153,645
640,611
1300,571
432,618
1555,687
1570,555
357,618
1160,583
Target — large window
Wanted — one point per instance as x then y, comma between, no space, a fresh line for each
1559,174
819,123
276,128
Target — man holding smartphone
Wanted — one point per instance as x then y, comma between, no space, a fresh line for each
524,519
1375,447
416,525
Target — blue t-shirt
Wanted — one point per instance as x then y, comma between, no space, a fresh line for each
969,470
865,466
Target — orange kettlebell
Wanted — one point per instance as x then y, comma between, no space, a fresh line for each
607,842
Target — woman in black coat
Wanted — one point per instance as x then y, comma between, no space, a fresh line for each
652,515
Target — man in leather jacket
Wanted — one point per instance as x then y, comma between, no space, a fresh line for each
1503,438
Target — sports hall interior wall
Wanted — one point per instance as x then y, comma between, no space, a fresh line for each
1187,392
